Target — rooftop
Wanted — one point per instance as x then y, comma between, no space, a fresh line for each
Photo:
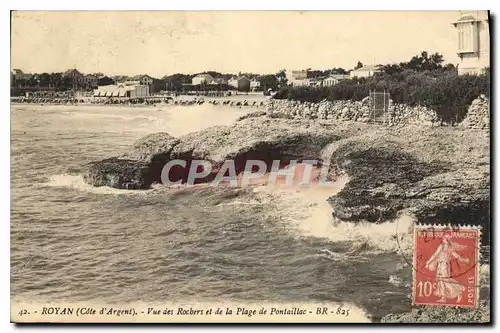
368,68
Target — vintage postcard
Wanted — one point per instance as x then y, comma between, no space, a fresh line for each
250,167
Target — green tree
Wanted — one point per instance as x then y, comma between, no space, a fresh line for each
281,76
105,81
175,82
268,82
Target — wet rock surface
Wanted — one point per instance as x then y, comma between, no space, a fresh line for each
119,173
261,138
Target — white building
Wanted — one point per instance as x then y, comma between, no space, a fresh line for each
122,90
143,79
254,84
365,71
473,41
219,81
300,82
333,79
202,79
292,75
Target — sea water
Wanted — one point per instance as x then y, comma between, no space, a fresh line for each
71,242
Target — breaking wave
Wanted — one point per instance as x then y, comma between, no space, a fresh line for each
76,182
306,212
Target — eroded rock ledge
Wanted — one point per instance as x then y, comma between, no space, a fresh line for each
260,137
439,174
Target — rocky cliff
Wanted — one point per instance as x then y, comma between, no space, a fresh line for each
439,174
258,137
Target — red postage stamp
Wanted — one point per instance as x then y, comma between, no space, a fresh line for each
446,266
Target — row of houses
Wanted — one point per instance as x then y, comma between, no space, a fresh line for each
300,78
473,51
87,82
91,81
328,81
78,80
240,83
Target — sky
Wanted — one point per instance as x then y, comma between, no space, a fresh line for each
161,43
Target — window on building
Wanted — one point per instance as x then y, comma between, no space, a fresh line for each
467,34
460,38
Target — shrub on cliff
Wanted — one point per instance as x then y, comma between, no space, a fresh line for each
450,96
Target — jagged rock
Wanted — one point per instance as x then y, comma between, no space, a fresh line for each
137,169
280,139
441,179
119,173
265,139
148,147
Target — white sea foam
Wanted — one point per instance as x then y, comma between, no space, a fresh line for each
76,182
307,213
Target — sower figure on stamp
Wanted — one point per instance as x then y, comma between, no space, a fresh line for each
440,262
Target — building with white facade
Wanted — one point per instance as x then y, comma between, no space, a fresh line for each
333,79
219,81
292,75
473,41
254,84
365,71
201,79
122,90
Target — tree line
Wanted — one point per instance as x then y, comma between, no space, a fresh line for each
423,80
57,81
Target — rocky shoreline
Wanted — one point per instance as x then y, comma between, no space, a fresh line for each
440,175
